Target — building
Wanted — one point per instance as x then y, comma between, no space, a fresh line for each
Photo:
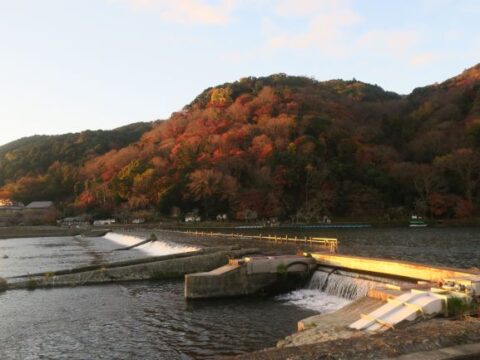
192,217
104,222
11,213
40,212
76,221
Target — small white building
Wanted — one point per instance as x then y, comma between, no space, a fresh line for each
192,217
104,222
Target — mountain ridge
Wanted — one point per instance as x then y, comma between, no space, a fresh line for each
274,146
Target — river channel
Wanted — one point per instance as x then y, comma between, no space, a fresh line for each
151,320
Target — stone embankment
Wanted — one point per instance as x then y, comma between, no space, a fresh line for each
422,337
156,268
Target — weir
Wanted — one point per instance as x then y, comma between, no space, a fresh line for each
384,294
389,268
344,286
156,260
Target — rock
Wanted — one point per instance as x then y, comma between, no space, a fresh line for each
3,284
5,256
152,237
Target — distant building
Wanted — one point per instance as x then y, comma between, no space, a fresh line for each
40,212
104,222
192,217
74,221
11,213
40,205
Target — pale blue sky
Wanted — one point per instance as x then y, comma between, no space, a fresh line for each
70,65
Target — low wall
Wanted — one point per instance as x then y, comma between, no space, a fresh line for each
163,269
251,276
233,282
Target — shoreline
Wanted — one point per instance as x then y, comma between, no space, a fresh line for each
15,232
11,232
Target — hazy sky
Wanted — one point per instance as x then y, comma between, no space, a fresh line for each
69,65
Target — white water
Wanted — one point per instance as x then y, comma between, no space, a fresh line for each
155,248
346,287
315,300
328,292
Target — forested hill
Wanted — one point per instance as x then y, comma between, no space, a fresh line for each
28,159
274,146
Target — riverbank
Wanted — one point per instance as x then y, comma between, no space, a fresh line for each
424,336
13,232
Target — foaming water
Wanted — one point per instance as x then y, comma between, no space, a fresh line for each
315,300
327,292
155,248
342,286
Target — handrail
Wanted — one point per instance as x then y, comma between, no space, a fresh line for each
330,243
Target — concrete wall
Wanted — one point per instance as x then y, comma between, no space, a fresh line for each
164,269
389,267
235,282
258,275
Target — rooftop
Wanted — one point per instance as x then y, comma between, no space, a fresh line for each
40,205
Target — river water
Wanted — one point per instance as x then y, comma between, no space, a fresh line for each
151,320
148,320
442,246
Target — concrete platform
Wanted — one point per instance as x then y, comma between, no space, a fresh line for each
331,326
249,276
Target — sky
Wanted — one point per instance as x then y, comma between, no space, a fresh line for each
71,65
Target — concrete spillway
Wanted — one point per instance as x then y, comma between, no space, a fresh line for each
152,248
393,268
406,307
346,287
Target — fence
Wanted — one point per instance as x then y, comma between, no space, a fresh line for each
330,243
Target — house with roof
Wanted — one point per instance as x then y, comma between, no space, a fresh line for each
11,213
40,212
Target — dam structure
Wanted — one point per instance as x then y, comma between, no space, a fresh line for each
382,294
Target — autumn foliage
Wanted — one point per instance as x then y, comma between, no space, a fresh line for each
276,146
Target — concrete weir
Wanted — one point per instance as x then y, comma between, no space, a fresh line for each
393,268
150,268
249,276
395,295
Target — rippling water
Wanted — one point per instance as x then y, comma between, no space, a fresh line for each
149,320
456,247
153,321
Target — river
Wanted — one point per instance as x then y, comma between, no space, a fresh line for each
152,320
148,320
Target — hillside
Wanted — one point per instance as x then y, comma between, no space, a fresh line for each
274,146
